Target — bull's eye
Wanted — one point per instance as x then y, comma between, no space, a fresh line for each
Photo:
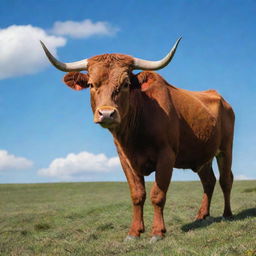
90,85
125,85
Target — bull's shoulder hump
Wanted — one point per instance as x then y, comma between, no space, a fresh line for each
206,95
210,100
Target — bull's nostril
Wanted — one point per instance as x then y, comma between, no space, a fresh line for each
100,113
112,114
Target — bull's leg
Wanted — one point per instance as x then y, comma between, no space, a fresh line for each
208,181
224,160
158,192
138,195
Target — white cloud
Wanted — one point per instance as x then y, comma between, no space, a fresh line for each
9,162
21,52
80,164
83,29
242,177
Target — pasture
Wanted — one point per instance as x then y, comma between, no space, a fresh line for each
93,219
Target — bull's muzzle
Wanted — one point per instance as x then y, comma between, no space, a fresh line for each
106,116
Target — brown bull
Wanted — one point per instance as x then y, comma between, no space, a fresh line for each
156,127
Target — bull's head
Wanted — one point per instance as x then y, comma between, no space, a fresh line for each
109,79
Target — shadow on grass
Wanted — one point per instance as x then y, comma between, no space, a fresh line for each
251,212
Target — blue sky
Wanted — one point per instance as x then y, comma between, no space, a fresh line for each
45,126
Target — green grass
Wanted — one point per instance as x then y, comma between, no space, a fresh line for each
94,218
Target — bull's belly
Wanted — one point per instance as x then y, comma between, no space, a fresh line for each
145,165
194,157
190,156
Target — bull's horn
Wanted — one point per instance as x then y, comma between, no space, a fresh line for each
154,65
66,67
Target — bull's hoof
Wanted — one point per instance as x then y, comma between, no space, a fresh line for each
155,239
131,238
200,217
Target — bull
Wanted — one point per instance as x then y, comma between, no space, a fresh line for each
156,127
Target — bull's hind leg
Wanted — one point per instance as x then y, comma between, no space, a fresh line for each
224,160
208,181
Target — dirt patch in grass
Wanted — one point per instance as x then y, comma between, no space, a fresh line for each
106,226
42,226
248,190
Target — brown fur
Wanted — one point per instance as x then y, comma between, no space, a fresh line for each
157,127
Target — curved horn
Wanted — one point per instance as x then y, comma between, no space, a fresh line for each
66,67
154,65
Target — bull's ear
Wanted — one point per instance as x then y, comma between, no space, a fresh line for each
145,79
76,80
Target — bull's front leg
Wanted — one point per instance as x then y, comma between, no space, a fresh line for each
158,193
138,195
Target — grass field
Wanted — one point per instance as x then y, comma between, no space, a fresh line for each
93,219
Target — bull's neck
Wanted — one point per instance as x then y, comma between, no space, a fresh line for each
131,123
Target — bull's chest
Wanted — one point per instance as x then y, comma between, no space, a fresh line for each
143,161
139,151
